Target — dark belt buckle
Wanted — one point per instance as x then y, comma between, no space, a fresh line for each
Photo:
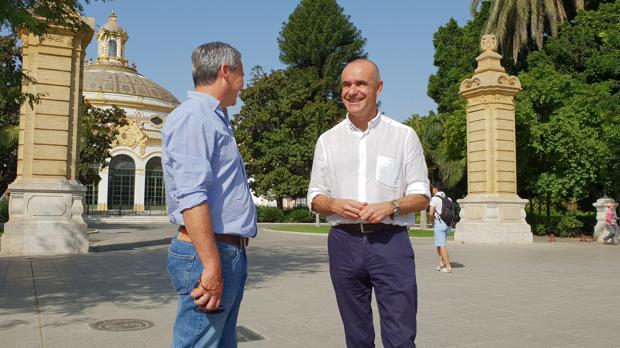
362,229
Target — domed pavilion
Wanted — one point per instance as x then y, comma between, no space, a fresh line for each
132,183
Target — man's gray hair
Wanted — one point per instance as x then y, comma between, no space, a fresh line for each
207,59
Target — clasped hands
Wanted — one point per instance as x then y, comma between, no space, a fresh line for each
373,213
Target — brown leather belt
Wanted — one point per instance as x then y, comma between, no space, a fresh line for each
366,228
224,238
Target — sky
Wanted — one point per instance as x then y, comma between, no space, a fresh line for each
399,33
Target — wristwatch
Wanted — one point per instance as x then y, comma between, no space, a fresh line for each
396,210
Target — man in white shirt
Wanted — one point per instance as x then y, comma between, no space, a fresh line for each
440,227
368,177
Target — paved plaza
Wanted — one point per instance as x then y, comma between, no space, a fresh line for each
562,294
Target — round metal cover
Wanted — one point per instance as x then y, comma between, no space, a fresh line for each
122,325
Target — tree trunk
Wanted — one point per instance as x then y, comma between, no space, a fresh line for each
548,204
279,203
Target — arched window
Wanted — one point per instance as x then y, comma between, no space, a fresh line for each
112,48
155,193
121,178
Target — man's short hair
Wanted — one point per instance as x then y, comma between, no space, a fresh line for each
439,186
207,59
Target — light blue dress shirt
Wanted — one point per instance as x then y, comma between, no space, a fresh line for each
202,163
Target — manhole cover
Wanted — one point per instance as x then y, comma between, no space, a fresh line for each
246,335
122,325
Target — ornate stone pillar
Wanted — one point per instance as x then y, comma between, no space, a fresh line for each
45,204
139,188
600,230
492,212
102,193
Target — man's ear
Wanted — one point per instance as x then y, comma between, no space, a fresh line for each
225,71
379,87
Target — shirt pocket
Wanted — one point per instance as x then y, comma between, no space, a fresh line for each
387,171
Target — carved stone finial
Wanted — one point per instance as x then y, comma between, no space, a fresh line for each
488,43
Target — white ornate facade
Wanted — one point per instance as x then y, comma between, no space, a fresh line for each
133,179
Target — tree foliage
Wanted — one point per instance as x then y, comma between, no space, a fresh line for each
37,15
98,129
318,35
285,111
517,22
570,109
282,117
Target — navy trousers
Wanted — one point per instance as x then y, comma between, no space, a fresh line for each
382,260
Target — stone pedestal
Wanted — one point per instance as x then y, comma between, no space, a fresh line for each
492,212
600,230
45,217
45,204
493,219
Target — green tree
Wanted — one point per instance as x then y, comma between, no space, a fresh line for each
285,111
569,111
516,22
98,129
283,115
37,15
319,35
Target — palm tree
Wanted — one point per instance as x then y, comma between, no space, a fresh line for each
440,167
510,20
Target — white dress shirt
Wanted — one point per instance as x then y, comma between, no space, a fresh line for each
383,163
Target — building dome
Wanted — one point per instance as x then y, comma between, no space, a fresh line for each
103,78
112,24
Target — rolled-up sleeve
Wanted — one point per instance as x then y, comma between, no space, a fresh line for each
191,152
416,173
319,181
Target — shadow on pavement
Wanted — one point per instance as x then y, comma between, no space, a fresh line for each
265,264
130,246
125,275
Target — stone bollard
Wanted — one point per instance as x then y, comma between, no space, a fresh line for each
600,230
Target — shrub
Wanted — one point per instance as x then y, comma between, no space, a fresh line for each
539,229
300,215
270,214
4,210
569,226
588,220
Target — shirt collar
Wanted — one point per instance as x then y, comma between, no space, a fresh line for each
371,124
212,103
210,100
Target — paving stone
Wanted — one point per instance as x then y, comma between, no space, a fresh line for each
538,295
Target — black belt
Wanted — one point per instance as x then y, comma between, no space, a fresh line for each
366,228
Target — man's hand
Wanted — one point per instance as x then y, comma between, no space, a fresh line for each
377,212
348,208
208,292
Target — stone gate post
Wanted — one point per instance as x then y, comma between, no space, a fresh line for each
45,204
491,212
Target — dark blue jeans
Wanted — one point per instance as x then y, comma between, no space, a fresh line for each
192,327
382,260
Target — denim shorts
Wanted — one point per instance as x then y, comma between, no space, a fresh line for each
440,232
192,327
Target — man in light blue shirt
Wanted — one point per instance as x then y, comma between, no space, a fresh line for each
208,197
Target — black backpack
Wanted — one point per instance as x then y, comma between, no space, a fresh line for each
449,211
